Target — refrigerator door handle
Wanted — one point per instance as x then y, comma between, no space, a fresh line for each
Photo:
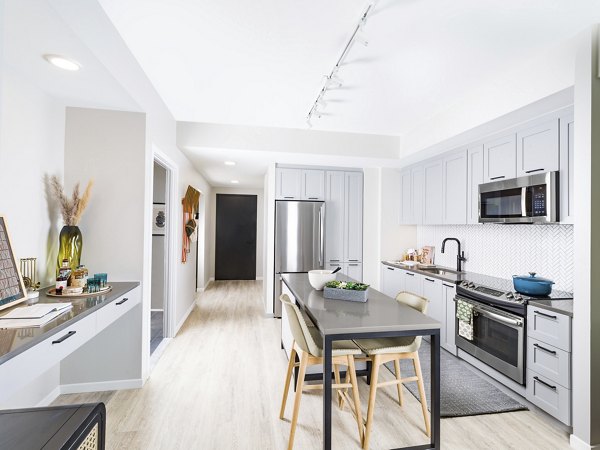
321,243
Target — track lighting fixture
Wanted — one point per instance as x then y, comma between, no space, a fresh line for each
332,80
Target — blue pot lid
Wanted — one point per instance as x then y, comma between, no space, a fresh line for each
531,278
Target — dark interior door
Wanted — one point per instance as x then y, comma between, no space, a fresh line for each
235,240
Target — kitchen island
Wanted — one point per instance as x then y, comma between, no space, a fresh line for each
380,317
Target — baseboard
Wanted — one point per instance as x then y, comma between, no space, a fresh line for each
259,278
210,280
184,318
579,444
101,386
156,309
52,395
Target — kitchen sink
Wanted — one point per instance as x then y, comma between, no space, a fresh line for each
439,271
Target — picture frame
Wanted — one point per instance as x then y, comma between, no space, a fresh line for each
159,219
12,288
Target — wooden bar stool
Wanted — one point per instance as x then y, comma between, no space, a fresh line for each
308,345
383,350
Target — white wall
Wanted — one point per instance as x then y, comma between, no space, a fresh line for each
31,149
259,225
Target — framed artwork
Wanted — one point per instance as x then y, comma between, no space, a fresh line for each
159,219
12,289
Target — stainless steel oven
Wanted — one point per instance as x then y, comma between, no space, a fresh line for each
529,199
498,339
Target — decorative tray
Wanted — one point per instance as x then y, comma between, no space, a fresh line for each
52,293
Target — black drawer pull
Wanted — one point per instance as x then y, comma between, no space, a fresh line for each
288,197
546,315
544,383
313,198
429,279
448,285
411,274
64,338
334,260
353,265
547,350
390,268
122,301
497,178
353,260
534,170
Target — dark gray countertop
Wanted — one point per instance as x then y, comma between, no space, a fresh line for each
379,314
16,341
450,275
559,306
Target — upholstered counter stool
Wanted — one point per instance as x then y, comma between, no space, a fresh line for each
383,350
308,346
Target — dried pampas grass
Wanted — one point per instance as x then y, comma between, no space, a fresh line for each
71,208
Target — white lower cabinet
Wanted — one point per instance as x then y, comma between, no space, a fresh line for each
353,270
449,292
412,282
549,362
436,309
392,280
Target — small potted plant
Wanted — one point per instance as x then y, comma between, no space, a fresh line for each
346,290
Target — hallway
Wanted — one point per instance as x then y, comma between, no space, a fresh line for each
218,385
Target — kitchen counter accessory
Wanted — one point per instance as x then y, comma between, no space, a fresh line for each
532,285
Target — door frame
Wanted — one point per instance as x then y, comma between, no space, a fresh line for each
172,180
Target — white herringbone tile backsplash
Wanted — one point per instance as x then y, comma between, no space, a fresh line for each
506,250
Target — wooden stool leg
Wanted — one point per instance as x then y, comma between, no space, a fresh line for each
372,394
417,364
351,373
398,377
288,378
337,379
299,385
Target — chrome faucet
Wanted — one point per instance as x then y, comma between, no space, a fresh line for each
460,257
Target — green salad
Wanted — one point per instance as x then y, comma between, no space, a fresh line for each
348,285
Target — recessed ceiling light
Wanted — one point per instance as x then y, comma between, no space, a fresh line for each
234,181
62,62
230,163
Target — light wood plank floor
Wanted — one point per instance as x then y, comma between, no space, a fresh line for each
218,385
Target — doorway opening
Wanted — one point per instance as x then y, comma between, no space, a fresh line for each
235,237
160,249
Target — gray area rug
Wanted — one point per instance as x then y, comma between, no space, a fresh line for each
463,392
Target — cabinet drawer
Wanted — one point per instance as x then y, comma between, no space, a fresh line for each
549,396
117,308
551,362
549,327
23,368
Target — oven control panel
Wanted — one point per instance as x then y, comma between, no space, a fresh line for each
494,294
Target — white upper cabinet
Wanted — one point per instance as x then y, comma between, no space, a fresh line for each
353,241
475,178
313,184
289,184
455,188
433,187
567,175
500,158
405,214
537,148
417,195
334,216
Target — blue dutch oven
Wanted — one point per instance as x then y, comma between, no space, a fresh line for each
532,285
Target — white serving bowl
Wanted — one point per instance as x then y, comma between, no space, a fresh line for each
319,278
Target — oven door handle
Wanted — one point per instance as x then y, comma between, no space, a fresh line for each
499,318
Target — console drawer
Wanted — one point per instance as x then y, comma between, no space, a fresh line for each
117,308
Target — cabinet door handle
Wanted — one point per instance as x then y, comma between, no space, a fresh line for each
497,178
334,260
429,279
448,285
122,301
64,338
546,315
353,260
534,170
410,274
313,198
544,383
547,350
288,197
390,268
353,265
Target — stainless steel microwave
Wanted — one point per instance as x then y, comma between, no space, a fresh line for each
530,199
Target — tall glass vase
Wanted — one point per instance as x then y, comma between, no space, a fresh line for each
71,242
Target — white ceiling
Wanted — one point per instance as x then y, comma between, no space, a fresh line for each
261,63
31,28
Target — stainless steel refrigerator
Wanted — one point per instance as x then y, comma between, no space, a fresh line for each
299,240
